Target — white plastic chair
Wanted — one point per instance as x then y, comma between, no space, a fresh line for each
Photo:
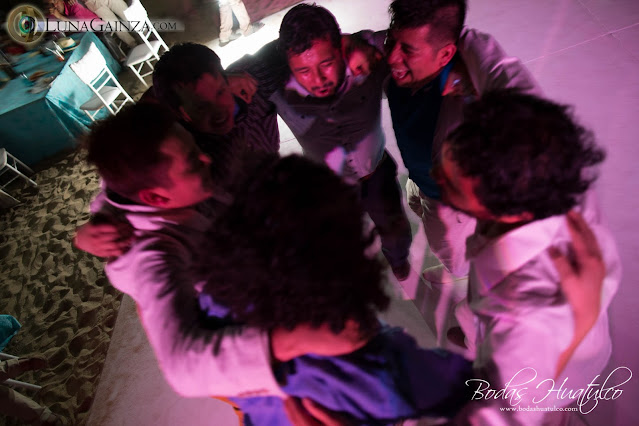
93,71
114,46
149,51
17,383
9,163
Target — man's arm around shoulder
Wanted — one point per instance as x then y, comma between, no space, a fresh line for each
157,273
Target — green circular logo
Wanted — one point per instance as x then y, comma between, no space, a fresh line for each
25,24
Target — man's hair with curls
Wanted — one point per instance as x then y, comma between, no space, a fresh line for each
528,153
291,249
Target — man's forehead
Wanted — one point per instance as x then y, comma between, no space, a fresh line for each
210,78
206,83
317,45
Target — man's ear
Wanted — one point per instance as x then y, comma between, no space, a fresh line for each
445,54
155,197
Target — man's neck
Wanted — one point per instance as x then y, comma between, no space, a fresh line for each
429,81
493,229
414,88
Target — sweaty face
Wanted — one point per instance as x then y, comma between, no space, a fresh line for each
412,59
320,69
458,190
188,171
208,104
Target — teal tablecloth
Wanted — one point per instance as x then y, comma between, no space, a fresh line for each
35,126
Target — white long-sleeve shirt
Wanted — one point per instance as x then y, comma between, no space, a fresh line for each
163,264
524,322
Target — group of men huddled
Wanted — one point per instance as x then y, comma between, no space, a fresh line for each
254,275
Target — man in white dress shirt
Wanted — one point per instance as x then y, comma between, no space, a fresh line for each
519,164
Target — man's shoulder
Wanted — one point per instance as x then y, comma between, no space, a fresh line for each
490,67
473,38
268,66
156,260
162,237
151,246
538,277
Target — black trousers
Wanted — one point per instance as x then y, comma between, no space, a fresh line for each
382,200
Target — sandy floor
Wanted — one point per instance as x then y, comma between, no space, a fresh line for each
60,295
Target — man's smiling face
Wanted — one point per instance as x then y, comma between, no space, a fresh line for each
413,60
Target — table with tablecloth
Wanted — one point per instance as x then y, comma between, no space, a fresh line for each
34,126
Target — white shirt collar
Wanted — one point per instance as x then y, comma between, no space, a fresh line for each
493,260
148,218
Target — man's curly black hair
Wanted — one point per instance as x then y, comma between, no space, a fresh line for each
291,250
528,153
306,23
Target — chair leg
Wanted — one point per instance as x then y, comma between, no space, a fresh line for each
3,197
25,177
89,114
4,356
14,167
124,92
18,383
16,161
137,74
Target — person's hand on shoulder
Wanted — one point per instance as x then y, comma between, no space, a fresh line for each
581,276
104,237
242,85
361,57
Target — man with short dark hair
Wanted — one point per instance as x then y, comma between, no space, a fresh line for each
190,79
336,118
333,115
436,66
133,164
158,179
226,116
518,164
